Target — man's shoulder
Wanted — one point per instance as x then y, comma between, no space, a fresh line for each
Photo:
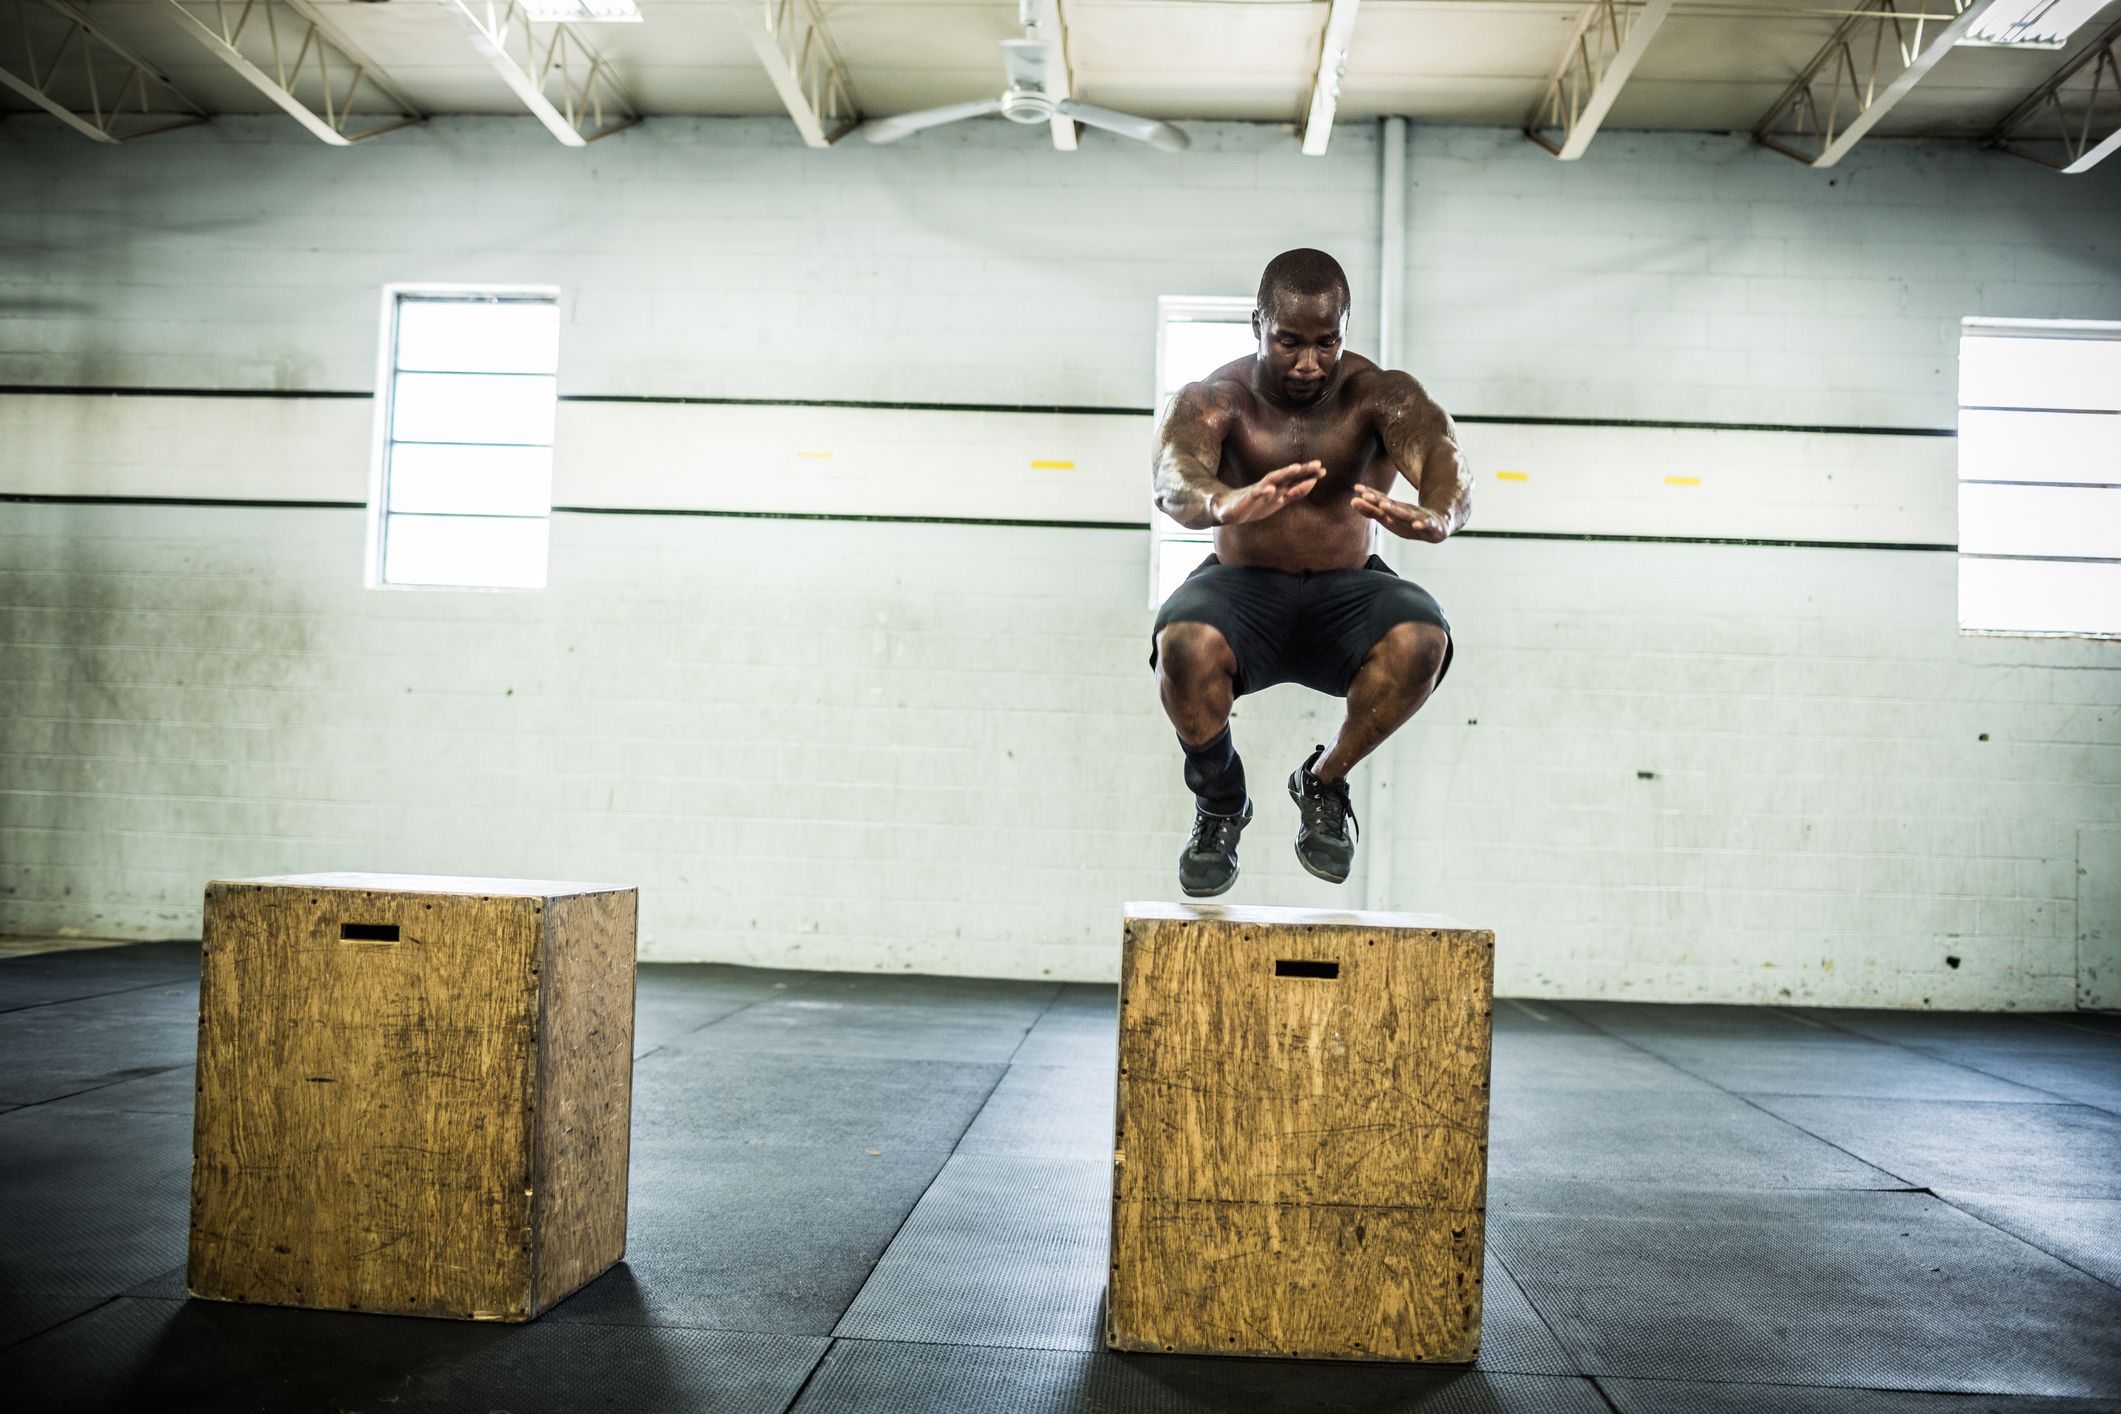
1369,383
1228,390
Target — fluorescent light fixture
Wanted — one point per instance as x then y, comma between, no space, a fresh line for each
579,12
2031,24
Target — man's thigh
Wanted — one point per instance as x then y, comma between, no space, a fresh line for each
1345,614
1253,609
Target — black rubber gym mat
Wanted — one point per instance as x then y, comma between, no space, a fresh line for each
2023,1151
2084,1232
1001,1251
137,1355
1884,1290
95,1201
1841,1065
1545,1062
38,979
1674,1397
986,1029
2084,1078
1683,1138
27,1313
1638,1021
1062,1112
734,1098
1531,1016
870,1377
67,1047
752,1238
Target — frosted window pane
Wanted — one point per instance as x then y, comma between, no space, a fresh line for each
2082,521
479,336
473,407
1195,349
2040,596
469,552
1177,559
495,481
2040,446
2040,373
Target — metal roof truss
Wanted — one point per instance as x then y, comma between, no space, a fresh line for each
2073,121
1875,57
53,56
558,75
286,50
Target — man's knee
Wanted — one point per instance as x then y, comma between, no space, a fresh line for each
1415,653
1191,653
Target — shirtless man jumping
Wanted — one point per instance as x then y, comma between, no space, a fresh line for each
1288,455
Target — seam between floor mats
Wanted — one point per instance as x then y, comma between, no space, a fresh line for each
2022,1238
1928,1054
1046,1011
60,1325
889,1242
1597,1388
96,1089
832,1343
1744,1100
1526,1292
84,997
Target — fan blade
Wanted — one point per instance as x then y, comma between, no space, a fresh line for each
1160,135
906,124
1025,62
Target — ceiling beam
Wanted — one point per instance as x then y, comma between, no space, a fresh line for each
1609,41
1873,60
1332,66
2045,119
806,69
41,36
285,50
558,75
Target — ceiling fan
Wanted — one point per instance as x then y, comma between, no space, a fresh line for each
1029,99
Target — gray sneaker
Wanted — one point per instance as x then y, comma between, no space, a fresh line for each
1325,841
1208,865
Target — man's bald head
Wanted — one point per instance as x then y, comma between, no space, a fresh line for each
1302,274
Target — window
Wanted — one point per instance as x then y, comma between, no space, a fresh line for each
2040,477
1194,337
461,496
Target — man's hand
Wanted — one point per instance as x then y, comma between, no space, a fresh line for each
1405,521
1268,494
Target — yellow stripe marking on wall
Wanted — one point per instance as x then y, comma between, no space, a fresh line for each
1052,466
1513,476
816,456
1682,481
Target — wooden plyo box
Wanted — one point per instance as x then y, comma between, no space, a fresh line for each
1300,1162
414,1092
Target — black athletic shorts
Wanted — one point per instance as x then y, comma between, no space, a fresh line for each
1311,628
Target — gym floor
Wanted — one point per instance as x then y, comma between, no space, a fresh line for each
887,1193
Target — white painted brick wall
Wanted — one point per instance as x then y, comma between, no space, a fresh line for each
937,747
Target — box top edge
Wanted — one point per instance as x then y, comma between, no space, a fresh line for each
1161,912
434,884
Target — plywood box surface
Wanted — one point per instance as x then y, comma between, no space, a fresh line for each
414,1092
1300,1160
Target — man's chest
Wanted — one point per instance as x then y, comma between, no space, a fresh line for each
1345,439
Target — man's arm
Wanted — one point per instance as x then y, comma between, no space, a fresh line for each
1422,441
1189,452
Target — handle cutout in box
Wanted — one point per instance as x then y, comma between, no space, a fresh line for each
1299,967
368,932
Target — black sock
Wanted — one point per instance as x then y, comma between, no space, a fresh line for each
1215,775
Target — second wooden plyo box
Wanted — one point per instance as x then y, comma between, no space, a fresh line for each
1300,1155
414,1092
